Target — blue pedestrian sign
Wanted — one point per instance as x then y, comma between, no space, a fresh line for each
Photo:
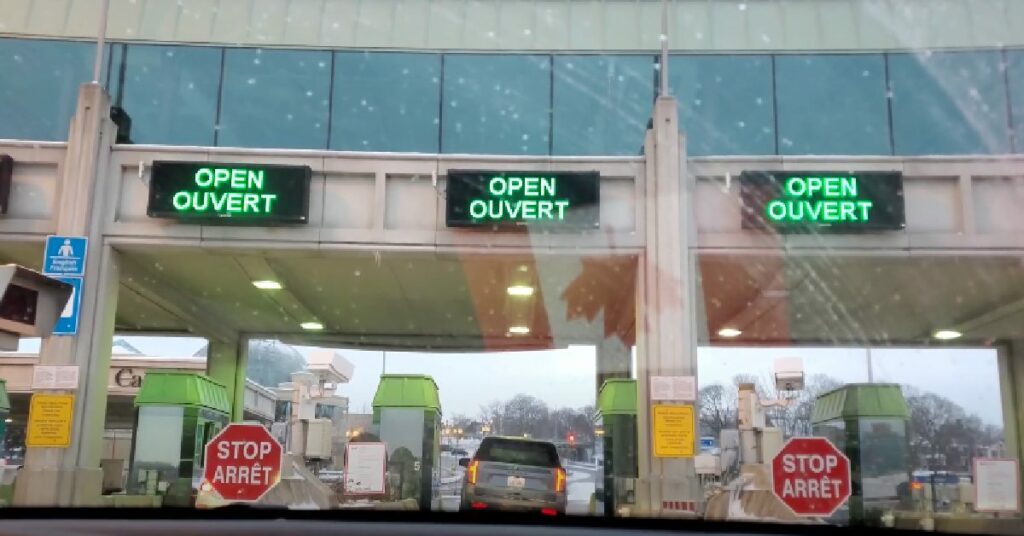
67,324
65,255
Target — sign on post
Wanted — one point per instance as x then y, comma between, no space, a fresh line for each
365,465
64,260
243,462
674,427
65,255
49,421
811,476
996,485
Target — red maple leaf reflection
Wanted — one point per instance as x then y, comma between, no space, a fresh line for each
605,284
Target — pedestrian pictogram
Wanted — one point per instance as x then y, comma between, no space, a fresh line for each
243,462
65,255
811,476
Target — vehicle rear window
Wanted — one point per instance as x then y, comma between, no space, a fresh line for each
520,452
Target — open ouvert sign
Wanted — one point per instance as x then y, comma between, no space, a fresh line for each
232,194
551,199
822,201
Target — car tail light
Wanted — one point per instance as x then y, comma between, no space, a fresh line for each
471,471
478,506
548,511
559,479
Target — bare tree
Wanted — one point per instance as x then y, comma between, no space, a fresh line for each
718,407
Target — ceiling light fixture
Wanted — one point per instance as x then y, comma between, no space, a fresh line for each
267,284
729,333
312,326
519,330
946,334
520,290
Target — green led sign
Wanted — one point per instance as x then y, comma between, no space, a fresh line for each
238,194
516,198
830,202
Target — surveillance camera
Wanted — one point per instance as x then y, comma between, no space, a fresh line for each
789,381
30,304
789,374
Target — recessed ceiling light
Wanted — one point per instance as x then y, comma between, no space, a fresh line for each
947,334
519,330
520,290
729,332
267,284
312,326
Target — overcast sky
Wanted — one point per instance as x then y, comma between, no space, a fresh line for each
565,378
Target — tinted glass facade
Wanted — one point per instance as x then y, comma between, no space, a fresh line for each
527,104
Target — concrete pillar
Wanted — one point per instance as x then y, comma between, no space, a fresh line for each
666,308
1011,378
72,476
613,360
226,362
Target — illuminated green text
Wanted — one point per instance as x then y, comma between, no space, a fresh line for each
819,200
226,191
519,198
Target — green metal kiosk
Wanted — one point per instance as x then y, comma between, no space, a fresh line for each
407,416
5,410
177,414
616,418
868,422
6,476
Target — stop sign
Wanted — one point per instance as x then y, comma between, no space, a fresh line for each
811,476
243,462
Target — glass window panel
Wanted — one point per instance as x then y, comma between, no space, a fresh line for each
386,101
496,104
1015,78
275,98
170,93
601,104
832,104
39,86
725,103
948,103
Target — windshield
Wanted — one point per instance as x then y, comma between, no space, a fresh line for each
699,259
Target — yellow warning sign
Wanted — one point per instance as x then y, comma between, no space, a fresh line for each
49,420
673,430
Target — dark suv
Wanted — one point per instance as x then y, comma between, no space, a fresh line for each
514,474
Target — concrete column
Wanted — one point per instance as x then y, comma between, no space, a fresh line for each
1011,379
613,360
226,363
72,476
666,308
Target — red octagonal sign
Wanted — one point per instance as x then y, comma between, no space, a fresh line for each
243,462
811,476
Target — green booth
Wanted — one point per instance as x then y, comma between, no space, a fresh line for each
6,475
616,418
868,422
407,416
5,410
177,414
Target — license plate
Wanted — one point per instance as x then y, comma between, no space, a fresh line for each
516,482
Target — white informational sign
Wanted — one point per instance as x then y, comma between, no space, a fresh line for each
996,485
674,388
365,464
55,377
